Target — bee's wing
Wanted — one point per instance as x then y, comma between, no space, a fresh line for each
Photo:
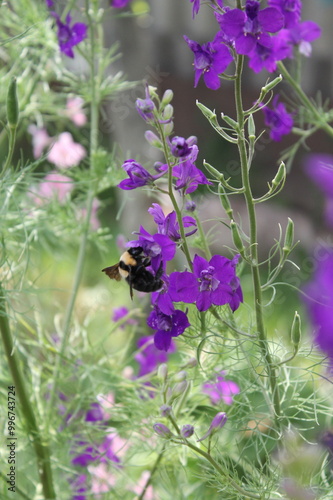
112,272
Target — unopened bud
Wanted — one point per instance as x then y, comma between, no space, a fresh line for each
180,376
280,175
179,389
208,113
236,237
270,86
192,362
289,237
153,139
212,170
162,430
12,104
167,97
187,430
295,333
168,112
217,423
162,372
230,121
251,127
165,410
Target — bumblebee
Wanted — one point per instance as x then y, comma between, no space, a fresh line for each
132,267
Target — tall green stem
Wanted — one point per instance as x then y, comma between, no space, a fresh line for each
94,106
40,445
245,167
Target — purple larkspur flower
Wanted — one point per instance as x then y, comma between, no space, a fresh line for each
69,36
121,312
138,176
156,246
302,34
319,301
162,430
162,299
188,175
211,283
250,27
168,224
149,357
167,327
95,413
145,107
211,59
278,119
181,147
119,4
263,57
49,3
319,167
217,423
221,390
291,10
79,487
187,431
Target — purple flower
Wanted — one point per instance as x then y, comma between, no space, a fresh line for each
217,423
210,60
122,312
167,327
302,34
319,301
251,27
162,430
149,357
145,107
168,224
79,487
187,430
263,57
189,176
69,36
278,119
95,413
119,4
221,390
49,3
211,283
291,10
138,176
181,147
158,247
319,168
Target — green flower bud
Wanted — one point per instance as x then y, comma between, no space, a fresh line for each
229,121
208,113
162,372
162,430
167,97
270,86
295,333
167,112
12,104
180,376
280,175
251,127
236,237
224,198
289,237
212,170
179,389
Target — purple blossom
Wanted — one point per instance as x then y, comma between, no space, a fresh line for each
149,357
49,3
319,167
210,60
168,224
211,283
217,423
158,247
162,299
188,175
119,4
69,36
302,34
291,10
138,176
162,430
79,487
122,312
278,119
145,107
251,27
221,390
318,299
181,147
187,431
263,57
167,327
95,413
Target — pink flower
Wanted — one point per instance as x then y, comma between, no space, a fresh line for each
221,390
54,186
106,403
65,152
102,479
74,111
40,140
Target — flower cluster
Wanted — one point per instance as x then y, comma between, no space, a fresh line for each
208,283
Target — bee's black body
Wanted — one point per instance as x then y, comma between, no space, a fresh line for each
132,267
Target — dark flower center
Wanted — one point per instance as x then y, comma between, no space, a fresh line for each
207,280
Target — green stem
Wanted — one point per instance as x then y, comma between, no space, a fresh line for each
94,107
203,238
308,104
253,243
41,447
12,138
154,469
